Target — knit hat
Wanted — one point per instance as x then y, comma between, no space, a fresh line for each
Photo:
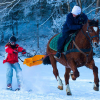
12,39
76,10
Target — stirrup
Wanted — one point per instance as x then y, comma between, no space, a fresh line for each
57,55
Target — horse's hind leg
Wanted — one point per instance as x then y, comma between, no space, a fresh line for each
55,72
68,91
92,66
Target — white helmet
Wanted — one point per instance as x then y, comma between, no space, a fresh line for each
76,10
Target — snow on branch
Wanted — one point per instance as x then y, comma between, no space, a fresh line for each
89,5
48,18
7,2
93,10
10,4
7,6
35,1
13,6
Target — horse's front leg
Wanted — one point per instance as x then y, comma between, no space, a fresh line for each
68,91
55,72
73,66
92,66
60,84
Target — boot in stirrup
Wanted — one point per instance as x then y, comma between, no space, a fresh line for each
57,55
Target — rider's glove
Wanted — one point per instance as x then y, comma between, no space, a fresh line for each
23,51
81,21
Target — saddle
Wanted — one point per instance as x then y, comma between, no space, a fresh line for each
53,42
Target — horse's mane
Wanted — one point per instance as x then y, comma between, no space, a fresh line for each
93,23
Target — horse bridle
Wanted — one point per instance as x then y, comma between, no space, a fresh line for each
89,34
87,31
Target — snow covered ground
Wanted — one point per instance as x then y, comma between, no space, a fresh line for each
39,83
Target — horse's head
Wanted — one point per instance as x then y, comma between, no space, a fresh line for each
93,32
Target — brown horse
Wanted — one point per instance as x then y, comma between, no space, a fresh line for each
85,39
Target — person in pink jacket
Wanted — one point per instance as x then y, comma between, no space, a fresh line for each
11,61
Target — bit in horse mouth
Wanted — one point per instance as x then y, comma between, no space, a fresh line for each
95,44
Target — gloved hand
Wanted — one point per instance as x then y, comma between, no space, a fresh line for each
15,51
23,51
81,21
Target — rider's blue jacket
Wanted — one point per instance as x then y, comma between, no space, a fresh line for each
74,23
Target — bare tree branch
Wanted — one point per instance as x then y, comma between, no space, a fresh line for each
48,18
7,2
97,5
7,6
80,4
89,5
93,10
77,2
13,6
68,5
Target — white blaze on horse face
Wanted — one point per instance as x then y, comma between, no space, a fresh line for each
95,29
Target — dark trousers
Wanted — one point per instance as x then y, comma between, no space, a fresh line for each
61,41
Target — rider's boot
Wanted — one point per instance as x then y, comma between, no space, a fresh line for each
58,54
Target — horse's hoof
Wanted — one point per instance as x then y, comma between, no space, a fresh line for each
60,87
96,88
73,77
69,93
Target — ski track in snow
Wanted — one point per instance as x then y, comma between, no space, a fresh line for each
39,83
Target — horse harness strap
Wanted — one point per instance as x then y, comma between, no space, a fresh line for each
82,51
87,31
79,49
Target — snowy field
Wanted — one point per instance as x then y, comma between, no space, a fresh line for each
39,83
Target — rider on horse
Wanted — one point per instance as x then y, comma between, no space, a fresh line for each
74,22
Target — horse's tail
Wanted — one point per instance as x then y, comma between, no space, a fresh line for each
46,60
